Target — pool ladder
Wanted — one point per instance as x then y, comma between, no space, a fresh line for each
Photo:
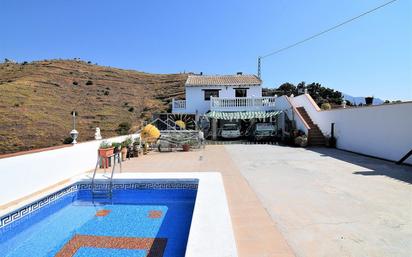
96,193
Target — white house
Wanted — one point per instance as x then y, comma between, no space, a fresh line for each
224,93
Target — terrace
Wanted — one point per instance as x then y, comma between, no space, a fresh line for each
303,202
282,201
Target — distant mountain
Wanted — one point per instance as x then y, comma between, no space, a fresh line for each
361,99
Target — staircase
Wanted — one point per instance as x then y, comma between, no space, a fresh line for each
315,137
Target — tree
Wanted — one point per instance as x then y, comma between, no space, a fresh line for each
319,93
287,89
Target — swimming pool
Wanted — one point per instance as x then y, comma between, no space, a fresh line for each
142,218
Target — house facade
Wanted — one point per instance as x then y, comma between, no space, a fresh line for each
226,93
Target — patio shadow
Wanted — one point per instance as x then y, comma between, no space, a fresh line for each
376,167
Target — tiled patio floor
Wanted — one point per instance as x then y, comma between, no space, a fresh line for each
255,232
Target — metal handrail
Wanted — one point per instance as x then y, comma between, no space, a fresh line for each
99,158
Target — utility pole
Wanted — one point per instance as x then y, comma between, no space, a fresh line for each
259,60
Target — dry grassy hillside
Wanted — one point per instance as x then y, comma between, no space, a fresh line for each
36,100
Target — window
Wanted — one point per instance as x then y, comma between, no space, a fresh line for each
240,92
211,92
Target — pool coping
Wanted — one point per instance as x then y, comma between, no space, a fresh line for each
211,232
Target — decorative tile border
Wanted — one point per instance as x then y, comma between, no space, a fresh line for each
154,247
28,209
80,186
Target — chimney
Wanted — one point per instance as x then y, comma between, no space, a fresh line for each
239,73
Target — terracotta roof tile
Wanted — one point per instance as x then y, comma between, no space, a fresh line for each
222,80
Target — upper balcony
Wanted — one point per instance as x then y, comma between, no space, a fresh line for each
225,104
242,104
178,106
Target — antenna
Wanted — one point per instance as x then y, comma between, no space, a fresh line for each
259,61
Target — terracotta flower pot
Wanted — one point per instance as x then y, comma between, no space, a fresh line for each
124,153
186,147
106,152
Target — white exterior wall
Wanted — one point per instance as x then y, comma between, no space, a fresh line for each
284,105
195,97
26,174
383,131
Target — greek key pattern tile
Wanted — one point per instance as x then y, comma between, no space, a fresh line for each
30,208
141,185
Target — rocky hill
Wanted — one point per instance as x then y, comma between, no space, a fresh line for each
37,98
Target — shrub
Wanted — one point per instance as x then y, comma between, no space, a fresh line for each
301,141
326,106
89,82
131,109
75,83
105,145
106,92
123,128
117,146
128,142
68,140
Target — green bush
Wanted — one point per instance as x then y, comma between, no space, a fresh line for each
116,145
128,142
123,128
105,145
326,106
68,140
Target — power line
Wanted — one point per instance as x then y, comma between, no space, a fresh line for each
325,31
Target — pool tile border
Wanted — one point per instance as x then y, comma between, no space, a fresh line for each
139,184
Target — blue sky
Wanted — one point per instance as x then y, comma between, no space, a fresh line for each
371,56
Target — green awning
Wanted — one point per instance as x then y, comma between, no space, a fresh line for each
242,115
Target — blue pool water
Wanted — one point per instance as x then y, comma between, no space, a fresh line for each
133,223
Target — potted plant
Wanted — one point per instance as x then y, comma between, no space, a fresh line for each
186,147
136,147
301,141
117,147
369,100
125,144
330,141
145,148
105,149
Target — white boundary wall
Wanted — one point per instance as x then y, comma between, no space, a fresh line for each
283,104
383,131
28,173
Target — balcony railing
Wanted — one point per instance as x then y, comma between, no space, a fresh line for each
178,105
242,103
